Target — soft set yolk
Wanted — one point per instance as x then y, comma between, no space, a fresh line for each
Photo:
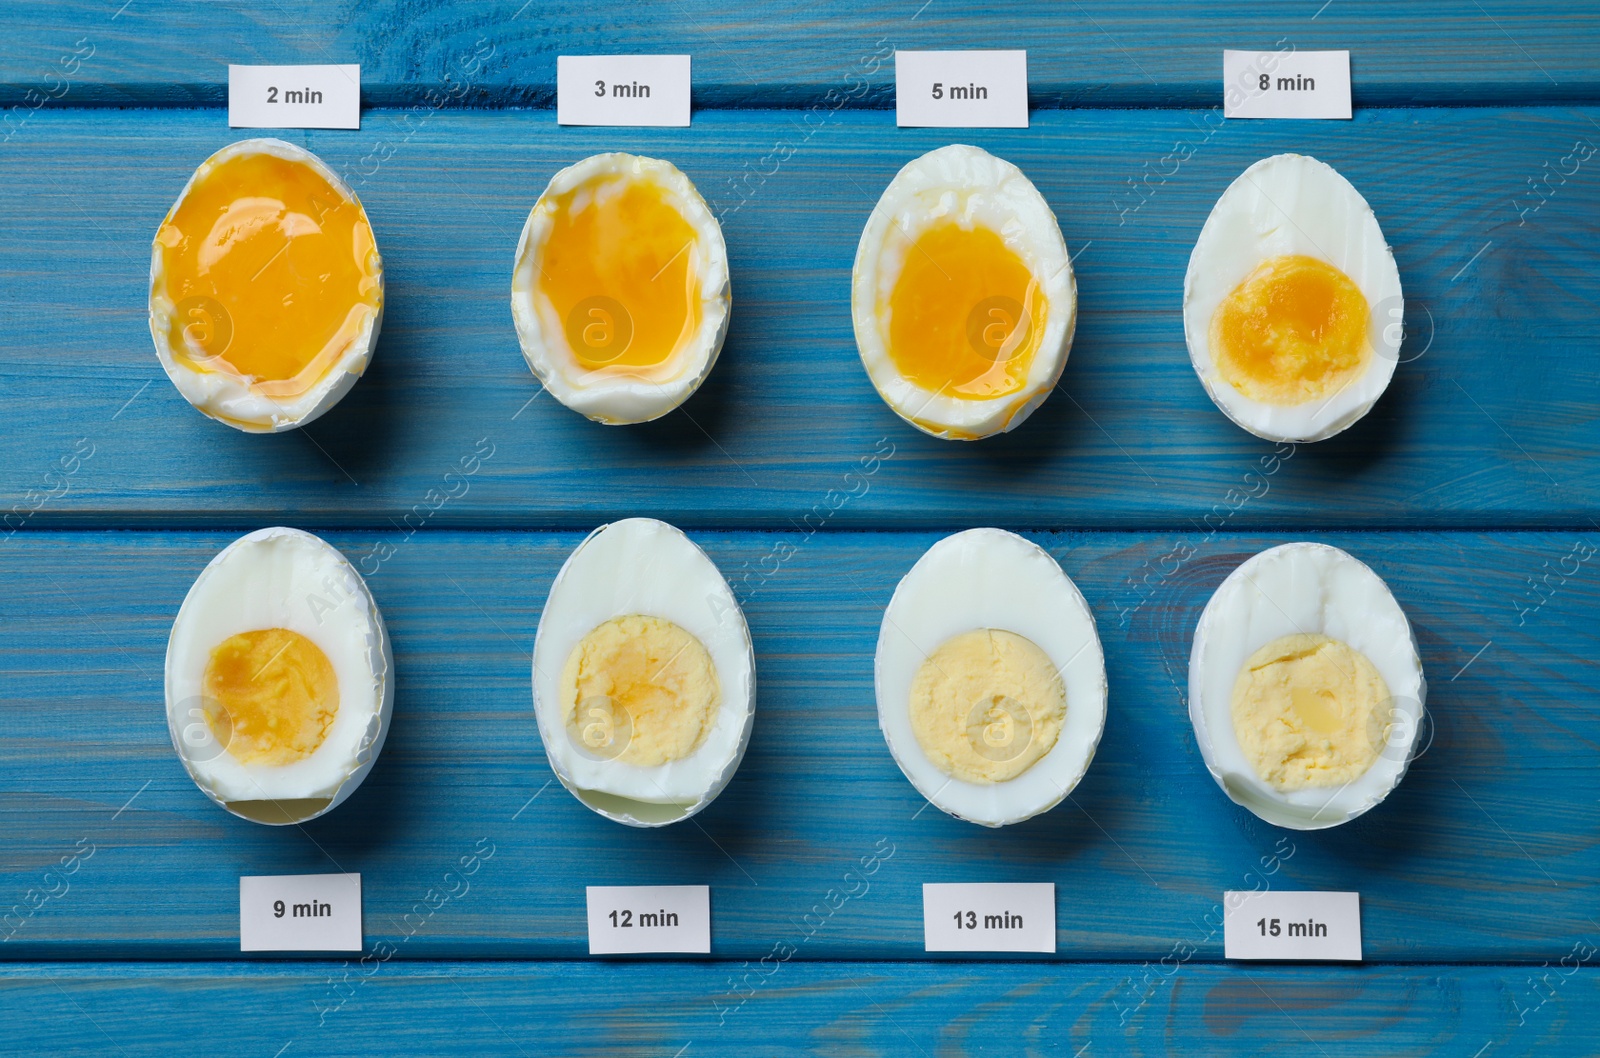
966,314
1295,330
619,268
270,696
273,271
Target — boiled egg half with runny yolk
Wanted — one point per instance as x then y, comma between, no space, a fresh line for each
643,675
620,289
991,683
1291,305
266,288
1305,687
279,678
962,295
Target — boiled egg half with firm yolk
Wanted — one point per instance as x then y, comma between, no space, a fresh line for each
1291,306
279,678
991,683
643,675
962,295
620,289
266,288
1305,687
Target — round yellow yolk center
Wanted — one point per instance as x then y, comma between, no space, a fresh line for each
619,269
273,272
987,705
966,314
1294,331
640,690
270,696
1310,711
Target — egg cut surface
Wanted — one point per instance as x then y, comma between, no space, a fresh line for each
963,296
1291,305
643,675
991,682
279,681
620,289
1305,687
266,287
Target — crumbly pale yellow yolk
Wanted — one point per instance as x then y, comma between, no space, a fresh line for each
273,271
640,690
986,705
270,696
619,268
966,314
1294,331
1310,711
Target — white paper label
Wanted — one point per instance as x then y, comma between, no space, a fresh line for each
300,912
622,89
1286,84
961,89
991,916
631,919
1290,925
294,97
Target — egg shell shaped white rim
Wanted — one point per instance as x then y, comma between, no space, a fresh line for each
382,663
1297,191
619,400
916,626
220,397
1397,659
976,172
723,748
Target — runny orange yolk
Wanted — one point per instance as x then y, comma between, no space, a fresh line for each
966,314
273,272
1295,330
619,268
270,696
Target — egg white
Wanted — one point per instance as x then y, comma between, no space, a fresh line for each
618,396
975,189
1292,204
990,578
222,396
644,566
1302,588
282,578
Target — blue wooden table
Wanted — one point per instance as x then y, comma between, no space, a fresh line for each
1470,488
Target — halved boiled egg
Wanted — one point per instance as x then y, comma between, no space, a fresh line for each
279,678
1305,687
962,295
643,675
1291,306
991,683
266,288
620,290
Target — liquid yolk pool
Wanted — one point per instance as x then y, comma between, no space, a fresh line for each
619,268
987,705
270,696
640,690
966,314
1294,331
273,271
1310,711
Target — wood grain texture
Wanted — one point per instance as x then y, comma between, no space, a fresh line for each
1486,852
1492,424
834,1010
789,53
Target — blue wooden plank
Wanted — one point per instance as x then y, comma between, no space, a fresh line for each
1493,425
651,1011
1486,852
787,53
